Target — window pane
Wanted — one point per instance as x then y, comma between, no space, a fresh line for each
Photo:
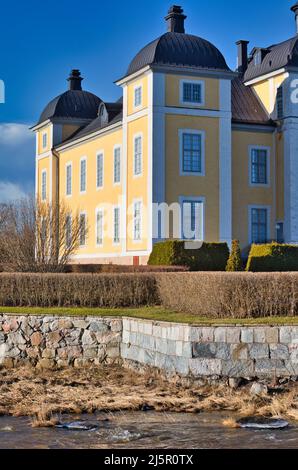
137,220
192,145
82,229
44,186
99,228
68,180
259,166
138,156
83,176
259,226
138,96
117,169
192,220
99,174
116,225
68,235
192,92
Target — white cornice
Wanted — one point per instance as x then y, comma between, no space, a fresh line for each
261,78
40,126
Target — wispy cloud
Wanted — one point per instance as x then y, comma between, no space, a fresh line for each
17,159
10,192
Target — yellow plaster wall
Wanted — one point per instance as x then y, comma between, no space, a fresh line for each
173,91
137,186
110,194
245,195
141,81
192,186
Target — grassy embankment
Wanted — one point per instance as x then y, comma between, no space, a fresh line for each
148,313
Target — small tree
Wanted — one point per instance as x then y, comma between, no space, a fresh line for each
235,260
39,237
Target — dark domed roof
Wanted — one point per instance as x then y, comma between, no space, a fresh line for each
180,50
73,104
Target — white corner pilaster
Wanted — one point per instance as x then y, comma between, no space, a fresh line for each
291,180
225,163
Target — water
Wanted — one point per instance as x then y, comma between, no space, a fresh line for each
149,430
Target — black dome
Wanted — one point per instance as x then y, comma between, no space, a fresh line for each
76,104
180,50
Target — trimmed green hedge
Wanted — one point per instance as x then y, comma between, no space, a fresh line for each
273,257
211,257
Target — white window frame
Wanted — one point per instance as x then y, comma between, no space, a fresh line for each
257,206
116,243
200,200
192,103
136,87
135,137
268,150
44,135
118,183
137,240
99,210
68,165
44,196
85,214
98,154
83,159
203,139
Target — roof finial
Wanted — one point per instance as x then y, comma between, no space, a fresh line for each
175,20
75,80
295,10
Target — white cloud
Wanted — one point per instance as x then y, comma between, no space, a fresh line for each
10,192
12,134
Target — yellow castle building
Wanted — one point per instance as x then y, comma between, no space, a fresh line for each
187,133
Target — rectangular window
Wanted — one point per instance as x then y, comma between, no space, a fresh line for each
44,185
138,156
117,165
83,175
138,97
116,225
137,218
259,166
99,227
68,231
99,171
83,229
192,92
259,225
68,179
192,220
192,153
44,140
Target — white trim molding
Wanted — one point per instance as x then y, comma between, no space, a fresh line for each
137,86
101,211
225,163
68,165
202,134
44,197
268,166
117,147
290,129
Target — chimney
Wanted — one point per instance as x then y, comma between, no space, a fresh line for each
295,10
75,80
175,20
242,59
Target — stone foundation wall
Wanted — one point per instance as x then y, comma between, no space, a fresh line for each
47,341
190,351
223,351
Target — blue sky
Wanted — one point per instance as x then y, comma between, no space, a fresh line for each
41,42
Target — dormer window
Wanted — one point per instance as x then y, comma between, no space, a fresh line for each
192,92
258,58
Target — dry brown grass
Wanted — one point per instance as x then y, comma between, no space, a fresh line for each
44,395
230,295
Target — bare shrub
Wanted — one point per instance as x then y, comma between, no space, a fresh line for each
77,290
230,295
38,237
119,269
